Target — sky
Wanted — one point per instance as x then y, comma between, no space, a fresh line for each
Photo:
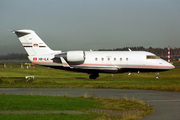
91,24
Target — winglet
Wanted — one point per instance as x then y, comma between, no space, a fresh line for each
13,31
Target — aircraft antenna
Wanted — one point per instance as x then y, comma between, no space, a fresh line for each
129,49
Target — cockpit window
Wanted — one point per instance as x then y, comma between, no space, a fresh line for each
152,57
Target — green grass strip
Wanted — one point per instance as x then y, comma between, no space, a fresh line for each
29,102
61,116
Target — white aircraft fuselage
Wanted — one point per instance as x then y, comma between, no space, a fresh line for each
91,62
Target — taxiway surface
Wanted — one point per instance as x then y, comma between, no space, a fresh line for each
166,105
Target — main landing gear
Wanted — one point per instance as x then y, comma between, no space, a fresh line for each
94,76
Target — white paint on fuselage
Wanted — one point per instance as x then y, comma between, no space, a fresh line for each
109,59
124,59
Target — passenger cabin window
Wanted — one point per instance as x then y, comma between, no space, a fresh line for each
96,59
108,59
126,59
120,59
102,59
114,59
152,57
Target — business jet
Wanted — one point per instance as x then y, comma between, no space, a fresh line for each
90,62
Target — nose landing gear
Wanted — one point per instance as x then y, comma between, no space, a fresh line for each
157,75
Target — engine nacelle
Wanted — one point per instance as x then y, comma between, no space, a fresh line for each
75,56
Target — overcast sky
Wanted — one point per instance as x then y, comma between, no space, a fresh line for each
91,24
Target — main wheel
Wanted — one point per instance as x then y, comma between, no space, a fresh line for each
92,77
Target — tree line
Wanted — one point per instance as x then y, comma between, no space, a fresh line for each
161,52
14,56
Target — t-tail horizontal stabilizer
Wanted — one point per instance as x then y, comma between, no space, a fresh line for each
32,43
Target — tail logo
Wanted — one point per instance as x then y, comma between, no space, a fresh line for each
35,45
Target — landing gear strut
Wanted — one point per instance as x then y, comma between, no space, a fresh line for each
157,75
94,76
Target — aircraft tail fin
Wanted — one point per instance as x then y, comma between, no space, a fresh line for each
32,43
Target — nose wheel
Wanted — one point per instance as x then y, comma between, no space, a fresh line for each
157,75
94,76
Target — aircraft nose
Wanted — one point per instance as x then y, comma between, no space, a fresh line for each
172,66
166,65
169,65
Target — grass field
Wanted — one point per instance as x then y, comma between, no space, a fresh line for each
13,76
22,106
61,116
